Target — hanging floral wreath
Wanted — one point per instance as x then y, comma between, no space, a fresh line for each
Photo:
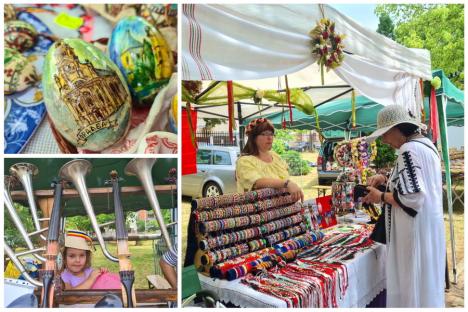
342,154
327,45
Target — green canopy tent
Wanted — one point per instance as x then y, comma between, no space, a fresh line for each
335,116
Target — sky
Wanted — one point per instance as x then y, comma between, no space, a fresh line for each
362,13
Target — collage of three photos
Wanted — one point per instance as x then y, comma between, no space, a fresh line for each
182,155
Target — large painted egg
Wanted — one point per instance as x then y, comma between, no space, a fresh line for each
19,72
19,35
85,94
143,56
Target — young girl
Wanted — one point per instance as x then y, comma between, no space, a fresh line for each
78,273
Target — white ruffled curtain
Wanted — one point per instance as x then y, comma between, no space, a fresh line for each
255,41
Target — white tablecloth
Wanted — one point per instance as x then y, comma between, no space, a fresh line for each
366,279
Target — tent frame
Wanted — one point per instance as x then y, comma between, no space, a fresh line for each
443,141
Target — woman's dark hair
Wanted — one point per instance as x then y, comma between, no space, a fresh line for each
250,147
407,129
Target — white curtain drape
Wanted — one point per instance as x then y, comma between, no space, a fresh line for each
255,41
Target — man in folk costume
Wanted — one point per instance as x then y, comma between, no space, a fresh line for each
413,211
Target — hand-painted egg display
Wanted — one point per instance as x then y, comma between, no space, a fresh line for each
143,56
19,35
85,94
19,73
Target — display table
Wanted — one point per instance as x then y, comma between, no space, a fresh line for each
359,217
366,279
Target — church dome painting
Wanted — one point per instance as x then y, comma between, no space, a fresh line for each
86,95
143,56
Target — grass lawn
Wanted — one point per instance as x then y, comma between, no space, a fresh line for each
142,261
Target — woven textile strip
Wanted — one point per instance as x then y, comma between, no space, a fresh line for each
236,199
254,219
238,210
250,233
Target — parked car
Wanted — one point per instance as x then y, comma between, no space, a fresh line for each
216,166
326,154
301,147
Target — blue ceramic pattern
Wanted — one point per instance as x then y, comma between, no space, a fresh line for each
25,110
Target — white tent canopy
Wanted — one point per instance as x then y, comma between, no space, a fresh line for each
254,41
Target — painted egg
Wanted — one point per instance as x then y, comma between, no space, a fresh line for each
9,12
173,115
19,72
160,14
143,56
19,35
85,94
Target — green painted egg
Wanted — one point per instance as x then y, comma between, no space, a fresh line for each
19,35
143,56
19,72
85,94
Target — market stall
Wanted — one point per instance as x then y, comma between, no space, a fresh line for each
240,42
251,246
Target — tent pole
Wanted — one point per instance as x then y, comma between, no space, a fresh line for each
241,127
448,178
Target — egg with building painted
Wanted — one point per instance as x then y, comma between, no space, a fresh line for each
19,73
143,56
19,35
85,94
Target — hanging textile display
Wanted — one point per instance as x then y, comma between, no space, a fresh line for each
288,97
230,102
189,165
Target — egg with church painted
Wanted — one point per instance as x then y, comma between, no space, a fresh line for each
143,56
85,94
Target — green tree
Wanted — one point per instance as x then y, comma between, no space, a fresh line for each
81,223
438,28
210,123
386,26
297,165
12,237
280,143
386,155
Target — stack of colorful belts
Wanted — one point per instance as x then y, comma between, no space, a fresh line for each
239,233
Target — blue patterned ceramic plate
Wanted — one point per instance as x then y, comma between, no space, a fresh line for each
25,110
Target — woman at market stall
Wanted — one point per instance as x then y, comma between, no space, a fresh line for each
414,213
259,166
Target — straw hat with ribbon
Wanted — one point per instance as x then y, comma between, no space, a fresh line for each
78,240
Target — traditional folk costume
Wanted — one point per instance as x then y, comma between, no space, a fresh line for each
415,229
